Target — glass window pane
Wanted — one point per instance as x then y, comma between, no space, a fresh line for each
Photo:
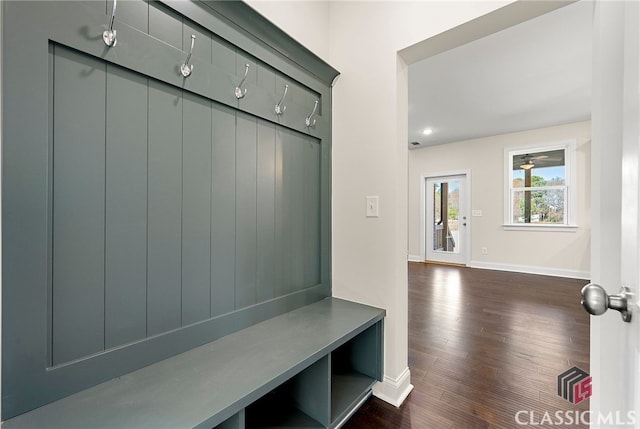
542,168
436,203
545,206
518,179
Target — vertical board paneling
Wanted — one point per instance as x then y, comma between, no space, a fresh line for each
279,244
164,208
164,24
132,12
196,209
261,87
297,208
246,255
126,208
223,210
100,5
49,205
224,57
285,236
266,179
242,60
105,240
312,212
266,79
78,206
202,45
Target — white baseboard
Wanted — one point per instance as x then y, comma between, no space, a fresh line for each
394,391
415,258
544,271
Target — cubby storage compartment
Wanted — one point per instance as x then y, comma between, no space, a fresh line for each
355,367
308,368
301,402
234,422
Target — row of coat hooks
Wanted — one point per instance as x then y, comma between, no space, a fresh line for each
109,38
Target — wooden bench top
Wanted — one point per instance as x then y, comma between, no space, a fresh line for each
206,385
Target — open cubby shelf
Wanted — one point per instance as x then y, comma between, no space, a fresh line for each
300,402
355,367
346,392
324,394
308,368
275,411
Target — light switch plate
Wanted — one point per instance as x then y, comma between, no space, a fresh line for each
373,206
476,213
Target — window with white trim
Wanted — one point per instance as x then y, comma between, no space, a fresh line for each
540,184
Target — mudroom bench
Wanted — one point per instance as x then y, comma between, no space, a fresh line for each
308,368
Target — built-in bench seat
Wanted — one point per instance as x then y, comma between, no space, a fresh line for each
311,367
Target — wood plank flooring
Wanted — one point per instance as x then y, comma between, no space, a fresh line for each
484,345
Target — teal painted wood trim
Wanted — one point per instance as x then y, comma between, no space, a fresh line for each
78,206
200,12
114,363
126,207
206,386
223,210
234,422
312,391
27,30
246,212
247,21
196,209
133,53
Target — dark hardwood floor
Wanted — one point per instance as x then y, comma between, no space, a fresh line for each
484,345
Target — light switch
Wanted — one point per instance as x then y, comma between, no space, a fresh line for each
476,213
373,206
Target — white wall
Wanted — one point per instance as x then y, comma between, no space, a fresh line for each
369,148
544,252
306,21
370,157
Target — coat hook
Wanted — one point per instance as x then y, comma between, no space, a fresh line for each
240,93
279,107
109,36
187,68
311,123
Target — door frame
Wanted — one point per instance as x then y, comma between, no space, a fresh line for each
466,251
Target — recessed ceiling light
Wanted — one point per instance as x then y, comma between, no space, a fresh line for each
427,131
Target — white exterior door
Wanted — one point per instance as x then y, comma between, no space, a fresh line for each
446,219
615,357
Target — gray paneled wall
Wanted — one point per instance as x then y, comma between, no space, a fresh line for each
125,287
168,208
78,205
145,213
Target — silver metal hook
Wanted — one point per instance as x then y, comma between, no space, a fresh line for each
187,68
239,91
279,107
311,123
109,36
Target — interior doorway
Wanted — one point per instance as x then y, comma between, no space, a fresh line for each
446,222
432,47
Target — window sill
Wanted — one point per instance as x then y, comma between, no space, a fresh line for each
539,227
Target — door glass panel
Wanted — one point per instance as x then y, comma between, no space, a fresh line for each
446,218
